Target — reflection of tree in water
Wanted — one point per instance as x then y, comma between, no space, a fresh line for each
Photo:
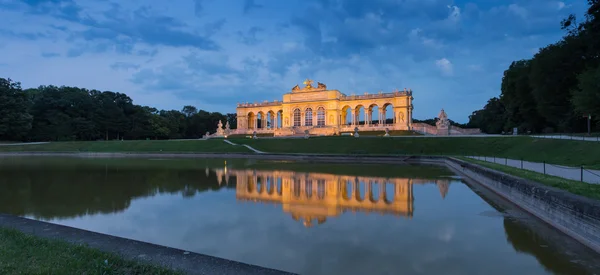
527,238
59,193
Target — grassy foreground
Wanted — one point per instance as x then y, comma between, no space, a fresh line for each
25,254
576,187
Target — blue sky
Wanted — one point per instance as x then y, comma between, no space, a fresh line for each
215,53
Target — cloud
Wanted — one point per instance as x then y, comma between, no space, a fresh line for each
250,37
445,66
213,54
124,66
518,10
251,4
49,54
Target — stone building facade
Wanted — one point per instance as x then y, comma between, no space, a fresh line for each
324,111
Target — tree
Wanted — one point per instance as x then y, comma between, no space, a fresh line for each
15,120
490,119
189,110
232,118
586,97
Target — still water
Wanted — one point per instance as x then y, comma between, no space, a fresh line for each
298,217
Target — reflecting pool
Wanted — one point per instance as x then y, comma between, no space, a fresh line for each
307,218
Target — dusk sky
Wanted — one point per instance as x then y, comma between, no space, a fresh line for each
215,53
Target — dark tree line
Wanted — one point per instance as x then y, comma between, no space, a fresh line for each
556,89
50,113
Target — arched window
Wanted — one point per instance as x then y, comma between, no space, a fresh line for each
308,188
308,117
297,118
321,116
320,189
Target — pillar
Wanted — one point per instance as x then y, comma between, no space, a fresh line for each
353,114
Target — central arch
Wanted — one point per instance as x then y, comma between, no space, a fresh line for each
308,117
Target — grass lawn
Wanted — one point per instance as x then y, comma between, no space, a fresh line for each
166,146
26,254
554,151
564,152
575,187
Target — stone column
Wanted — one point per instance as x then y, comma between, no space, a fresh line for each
353,117
381,116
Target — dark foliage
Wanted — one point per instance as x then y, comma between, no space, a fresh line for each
51,113
555,90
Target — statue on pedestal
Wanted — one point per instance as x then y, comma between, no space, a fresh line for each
227,128
220,131
387,132
254,135
356,132
443,124
306,134
443,121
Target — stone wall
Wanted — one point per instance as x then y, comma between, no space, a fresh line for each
576,216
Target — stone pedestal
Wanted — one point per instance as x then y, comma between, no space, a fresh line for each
356,132
443,124
387,132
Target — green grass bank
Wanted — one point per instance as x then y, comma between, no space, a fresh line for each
555,151
25,254
564,152
576,187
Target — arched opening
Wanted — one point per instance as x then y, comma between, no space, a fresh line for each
359,112
308,188
320,189
347,190
261,120
389,117
270,187
260,184
320,117
297,118
279,187
308,117
374,189
388,194
251,120
359,190
271,120
345,116
373,114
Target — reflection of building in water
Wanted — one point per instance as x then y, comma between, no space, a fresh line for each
316,196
